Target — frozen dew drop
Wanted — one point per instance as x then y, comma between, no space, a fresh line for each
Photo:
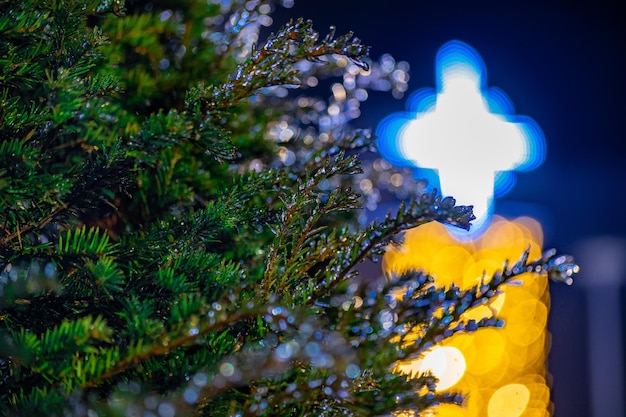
49,270
227,369
343,394
331,379
165,15
315,383
387,319
151,402
323,361
13,273
352,371
134,388
190,395
166,409
306,329
312,349
200,379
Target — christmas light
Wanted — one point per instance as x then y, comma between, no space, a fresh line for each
500,370
465,131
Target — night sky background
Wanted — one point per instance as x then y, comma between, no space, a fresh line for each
561,63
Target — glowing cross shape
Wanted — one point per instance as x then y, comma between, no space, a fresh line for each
465,131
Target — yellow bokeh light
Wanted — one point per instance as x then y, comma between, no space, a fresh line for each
527,321
490,349
509,401
450,262
446,363
500,370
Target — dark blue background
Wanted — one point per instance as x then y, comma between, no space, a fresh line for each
562,63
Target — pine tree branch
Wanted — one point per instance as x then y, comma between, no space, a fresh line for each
429,207
33,226
271,65
305,202
160,349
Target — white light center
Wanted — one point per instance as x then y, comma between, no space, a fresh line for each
460,136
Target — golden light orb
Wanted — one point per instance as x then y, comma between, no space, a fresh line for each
500,370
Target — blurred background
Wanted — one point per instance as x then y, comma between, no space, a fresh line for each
563,64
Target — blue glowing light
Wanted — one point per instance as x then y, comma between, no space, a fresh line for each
463,134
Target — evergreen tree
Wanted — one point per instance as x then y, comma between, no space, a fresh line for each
178,231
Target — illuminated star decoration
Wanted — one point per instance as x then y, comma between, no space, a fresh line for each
465,131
